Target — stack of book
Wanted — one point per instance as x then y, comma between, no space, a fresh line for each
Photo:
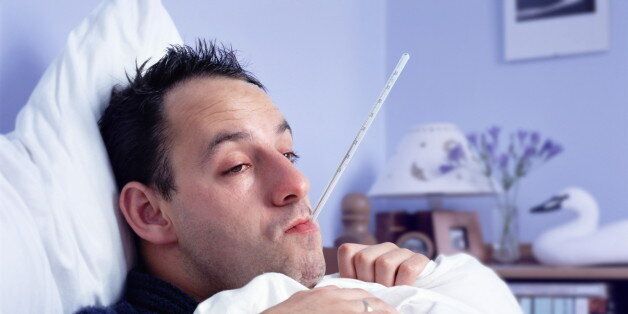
562,298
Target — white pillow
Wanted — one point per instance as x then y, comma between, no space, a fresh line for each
63,242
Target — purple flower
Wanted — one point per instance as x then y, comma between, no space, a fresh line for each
456,154
529,152
473,139
535,137
503,161
546,146
511,148
550,149
506,162
494,132
490,150
522,135
444,169
554,150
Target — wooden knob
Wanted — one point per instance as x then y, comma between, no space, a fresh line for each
355,203
355,219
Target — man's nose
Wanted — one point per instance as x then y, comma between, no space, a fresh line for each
288,184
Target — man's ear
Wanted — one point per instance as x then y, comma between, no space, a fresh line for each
141,207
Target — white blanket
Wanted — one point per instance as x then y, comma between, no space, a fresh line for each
449,284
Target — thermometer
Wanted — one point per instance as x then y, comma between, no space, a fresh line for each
358,139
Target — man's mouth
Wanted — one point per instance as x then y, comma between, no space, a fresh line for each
302,226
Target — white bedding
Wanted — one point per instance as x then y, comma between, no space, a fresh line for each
449,284
63,243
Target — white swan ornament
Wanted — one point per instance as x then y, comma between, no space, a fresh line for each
580,241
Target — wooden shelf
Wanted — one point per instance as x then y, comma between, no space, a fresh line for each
529,268
544,272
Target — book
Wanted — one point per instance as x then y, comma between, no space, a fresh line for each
562,298
594,289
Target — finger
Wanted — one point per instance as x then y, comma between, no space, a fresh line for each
364,261
386,265
410,269
323,292
345,259
373,305
328,287
348,294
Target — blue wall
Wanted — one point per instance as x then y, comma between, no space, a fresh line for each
325,62
458,74
32,33
322,61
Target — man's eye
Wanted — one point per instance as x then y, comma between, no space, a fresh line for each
292,156
237,169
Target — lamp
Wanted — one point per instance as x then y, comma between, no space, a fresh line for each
415,169
432,160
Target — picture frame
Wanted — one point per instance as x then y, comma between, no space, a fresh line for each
455,232
554,28
434,232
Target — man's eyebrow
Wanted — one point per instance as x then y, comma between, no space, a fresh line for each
283,126
222,138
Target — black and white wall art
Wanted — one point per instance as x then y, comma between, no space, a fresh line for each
552,28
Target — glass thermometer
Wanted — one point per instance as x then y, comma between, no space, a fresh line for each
358,139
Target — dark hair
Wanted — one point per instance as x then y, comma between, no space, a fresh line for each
134,127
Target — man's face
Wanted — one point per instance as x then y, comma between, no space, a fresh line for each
238,194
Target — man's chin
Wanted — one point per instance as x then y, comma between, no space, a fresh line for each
311,279
305,263
311,271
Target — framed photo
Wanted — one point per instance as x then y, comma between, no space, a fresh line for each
553,28
459,238
455,232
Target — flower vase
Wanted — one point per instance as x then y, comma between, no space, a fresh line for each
506,234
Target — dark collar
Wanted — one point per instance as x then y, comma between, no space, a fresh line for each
152,294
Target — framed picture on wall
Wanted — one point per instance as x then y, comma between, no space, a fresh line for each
553,28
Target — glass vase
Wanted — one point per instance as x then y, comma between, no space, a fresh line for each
506,234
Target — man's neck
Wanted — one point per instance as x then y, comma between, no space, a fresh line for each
166,264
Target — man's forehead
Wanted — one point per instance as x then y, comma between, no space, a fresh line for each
202,93
217,102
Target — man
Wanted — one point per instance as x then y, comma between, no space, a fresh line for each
205,166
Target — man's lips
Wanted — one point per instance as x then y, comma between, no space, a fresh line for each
302,226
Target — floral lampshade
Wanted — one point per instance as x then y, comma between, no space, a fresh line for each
416,168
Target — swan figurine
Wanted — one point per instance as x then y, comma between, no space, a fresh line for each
580,241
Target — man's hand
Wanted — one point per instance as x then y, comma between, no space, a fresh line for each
331,299
384,263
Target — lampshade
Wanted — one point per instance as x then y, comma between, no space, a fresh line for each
415,167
